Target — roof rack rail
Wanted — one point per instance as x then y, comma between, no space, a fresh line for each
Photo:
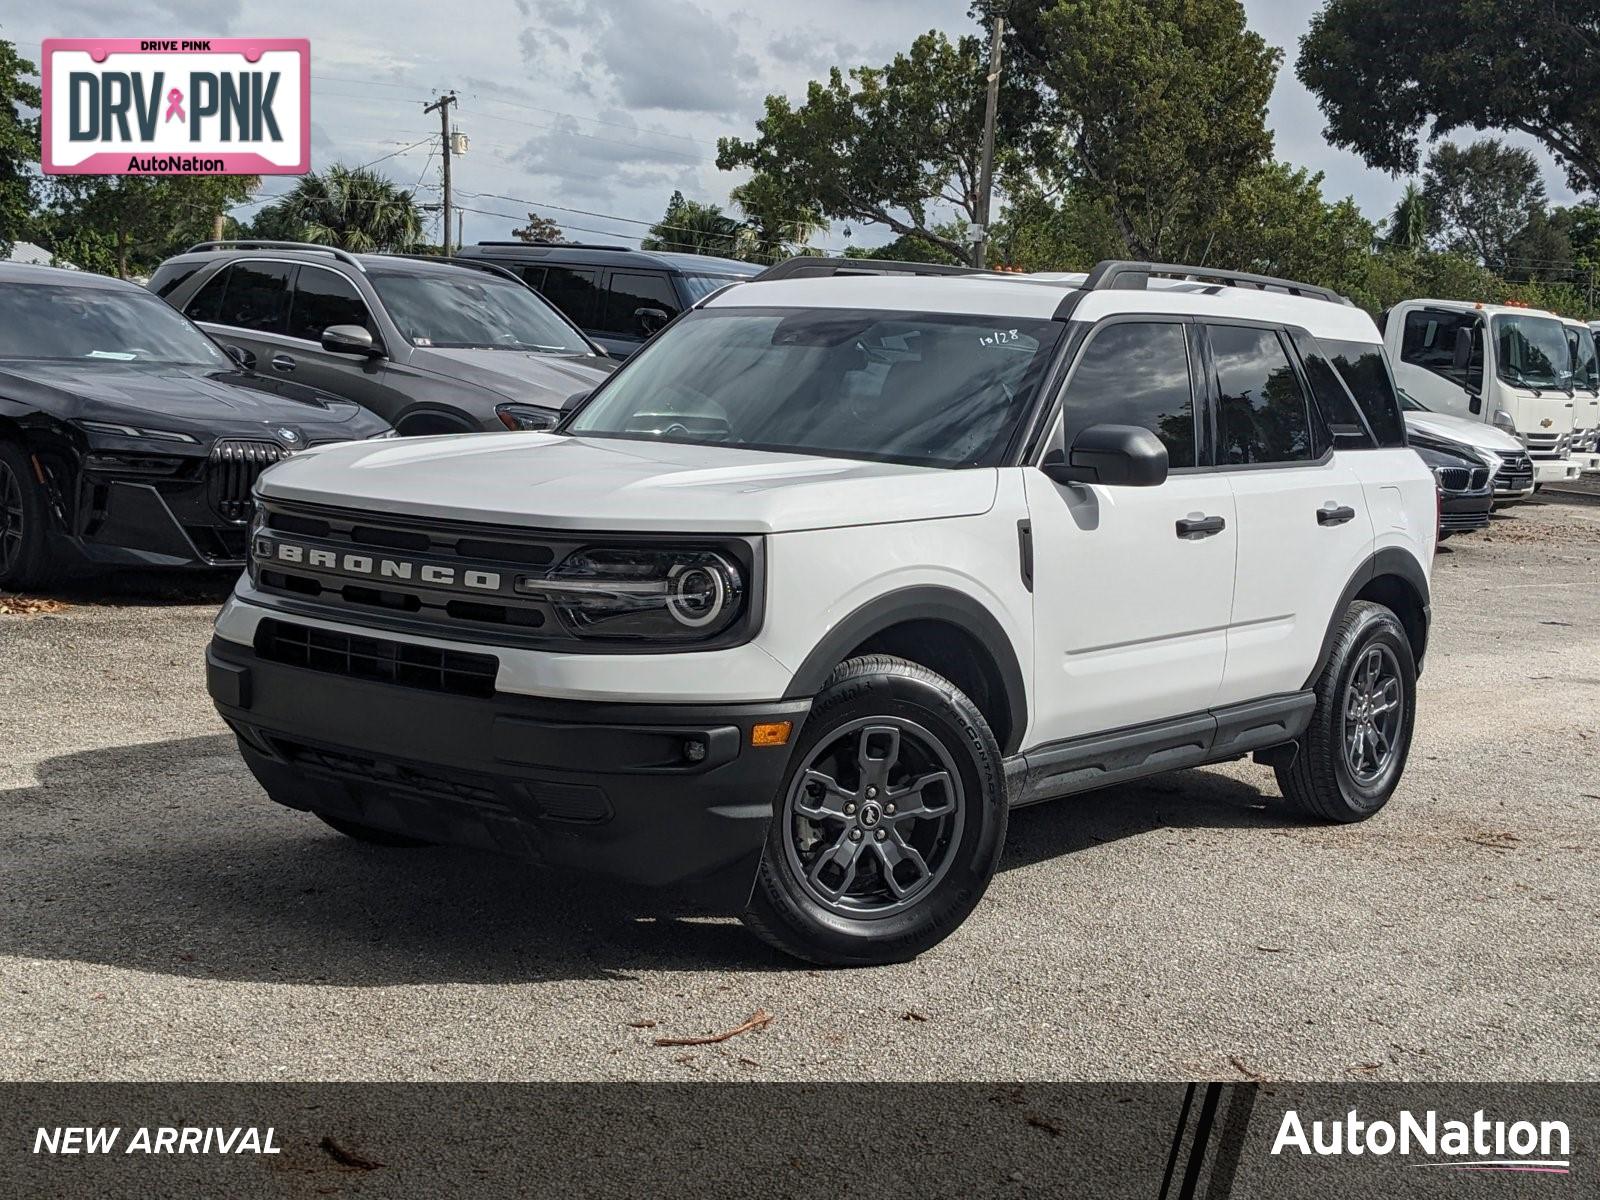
567,246
1116,274
270,244
815,266
470,264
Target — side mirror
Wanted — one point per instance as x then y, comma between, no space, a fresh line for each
240,355
574,400
349,339
1113,455
651,320
1463,354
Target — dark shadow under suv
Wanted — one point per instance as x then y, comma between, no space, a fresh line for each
430,345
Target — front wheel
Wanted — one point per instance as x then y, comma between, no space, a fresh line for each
24,514
890,823
1349,760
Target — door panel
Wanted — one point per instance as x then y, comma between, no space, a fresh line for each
1130,619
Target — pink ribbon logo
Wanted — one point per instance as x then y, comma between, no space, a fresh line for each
175,105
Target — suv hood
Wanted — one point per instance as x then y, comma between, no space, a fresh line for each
1477,434
540,379
542,481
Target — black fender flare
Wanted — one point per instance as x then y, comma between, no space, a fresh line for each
1391,560
929,603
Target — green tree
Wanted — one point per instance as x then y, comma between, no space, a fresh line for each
1408,223
129,223
888,145
1385,71
353,208
539,229
910,247
1481,196
771,229
1156,106
690,227
19,146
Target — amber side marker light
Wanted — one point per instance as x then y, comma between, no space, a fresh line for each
771,733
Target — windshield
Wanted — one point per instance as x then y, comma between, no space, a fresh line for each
936,390
1585,368
699,287
70,321
1532,351
467,309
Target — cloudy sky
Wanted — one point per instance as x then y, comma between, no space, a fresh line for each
593,111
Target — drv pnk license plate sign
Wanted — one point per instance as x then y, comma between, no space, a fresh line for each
209,106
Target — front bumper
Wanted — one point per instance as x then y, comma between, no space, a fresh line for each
602,787
1554,470
1464,512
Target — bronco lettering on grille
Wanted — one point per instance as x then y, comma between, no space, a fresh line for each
374,566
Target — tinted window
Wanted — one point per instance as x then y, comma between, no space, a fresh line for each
473,309
206,304
1429,341
169,275
257,297
1365,372
1338,408
1585,368
943,391
1262,415
572,291
631,290
532,276
323,298
1136,374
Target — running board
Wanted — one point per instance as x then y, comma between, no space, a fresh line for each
1101,759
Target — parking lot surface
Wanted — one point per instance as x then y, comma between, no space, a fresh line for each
161,919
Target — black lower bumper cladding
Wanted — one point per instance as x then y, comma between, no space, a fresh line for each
650,794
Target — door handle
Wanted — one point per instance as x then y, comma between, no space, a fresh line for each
1335,516
1199,527
282,362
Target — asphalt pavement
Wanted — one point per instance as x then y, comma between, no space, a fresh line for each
160,919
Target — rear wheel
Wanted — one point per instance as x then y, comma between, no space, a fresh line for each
24,513
370,835
890,825
1351,757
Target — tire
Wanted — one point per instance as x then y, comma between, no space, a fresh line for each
1338,773
24,524
370,835
911,877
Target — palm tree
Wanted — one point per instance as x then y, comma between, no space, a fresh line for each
690,227
353,208
1408,224
774,227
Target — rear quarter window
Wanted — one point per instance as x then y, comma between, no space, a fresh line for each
1364,371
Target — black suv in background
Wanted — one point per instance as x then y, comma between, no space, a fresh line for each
619,297
429,345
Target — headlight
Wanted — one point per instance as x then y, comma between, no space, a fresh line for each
1502,420
525,416
632,594
387,433
131,431
1494,460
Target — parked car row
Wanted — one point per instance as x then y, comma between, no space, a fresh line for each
127,437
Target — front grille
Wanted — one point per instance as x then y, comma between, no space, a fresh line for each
377,659
409,778
1463,522
1515,473
231,475
1455,479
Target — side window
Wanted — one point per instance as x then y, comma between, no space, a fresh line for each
631,290
1136,373
573,292
168,276
1365,371
257,297
533,277
1429,341
1339,411
323,298
206,304
1262,414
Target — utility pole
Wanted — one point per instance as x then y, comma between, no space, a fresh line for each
442,106
980,245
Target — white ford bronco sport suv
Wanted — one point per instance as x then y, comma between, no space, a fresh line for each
836,571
